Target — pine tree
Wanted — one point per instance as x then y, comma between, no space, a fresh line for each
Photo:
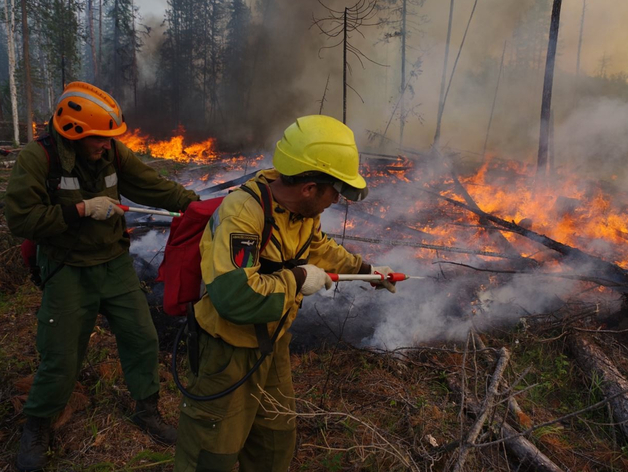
236,68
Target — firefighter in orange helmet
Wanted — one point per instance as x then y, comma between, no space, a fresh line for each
63,194
254,299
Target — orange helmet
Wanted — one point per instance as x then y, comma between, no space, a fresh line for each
84,110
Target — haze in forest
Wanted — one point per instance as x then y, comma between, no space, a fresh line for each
284,64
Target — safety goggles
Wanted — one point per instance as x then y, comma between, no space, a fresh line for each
349,192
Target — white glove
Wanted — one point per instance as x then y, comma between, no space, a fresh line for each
315,279
383,270
101,208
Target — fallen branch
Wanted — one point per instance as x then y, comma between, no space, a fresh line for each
487,407
524,450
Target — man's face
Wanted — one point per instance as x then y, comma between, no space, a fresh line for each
316,198
93,147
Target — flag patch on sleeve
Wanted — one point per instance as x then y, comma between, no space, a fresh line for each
244,249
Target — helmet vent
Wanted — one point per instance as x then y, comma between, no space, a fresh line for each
110,124
59,111
74,106
67,126
78,129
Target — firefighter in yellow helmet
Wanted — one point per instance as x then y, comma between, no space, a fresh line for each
63,194
253,293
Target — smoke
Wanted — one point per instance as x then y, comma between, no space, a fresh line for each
290,61
594,139
289,78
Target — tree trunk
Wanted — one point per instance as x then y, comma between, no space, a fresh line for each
402,111
441,100
116,46
27,74
10,20
92,38
584,7
546,103
98,68
344,70
490,119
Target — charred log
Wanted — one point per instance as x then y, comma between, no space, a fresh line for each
596,364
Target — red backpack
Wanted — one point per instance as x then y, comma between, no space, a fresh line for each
180,270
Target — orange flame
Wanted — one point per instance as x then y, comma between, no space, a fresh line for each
173,148
570,210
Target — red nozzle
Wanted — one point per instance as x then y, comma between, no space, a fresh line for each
396,277
124,207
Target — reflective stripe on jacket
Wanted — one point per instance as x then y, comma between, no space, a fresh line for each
32,213
238,296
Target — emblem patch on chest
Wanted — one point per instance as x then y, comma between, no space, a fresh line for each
244,249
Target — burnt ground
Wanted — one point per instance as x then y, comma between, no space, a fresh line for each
358,409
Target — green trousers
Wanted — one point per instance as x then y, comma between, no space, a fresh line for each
242,426
71,301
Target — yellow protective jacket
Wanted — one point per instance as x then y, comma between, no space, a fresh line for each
238,295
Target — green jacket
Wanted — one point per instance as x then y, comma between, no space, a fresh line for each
52,221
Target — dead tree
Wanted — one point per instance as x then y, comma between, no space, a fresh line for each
339,24
546,103
584,9
443,100
490,119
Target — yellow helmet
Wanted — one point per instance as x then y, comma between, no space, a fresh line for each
84,110
321,144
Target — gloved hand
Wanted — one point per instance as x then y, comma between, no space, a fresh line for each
101,208
383,270
315,279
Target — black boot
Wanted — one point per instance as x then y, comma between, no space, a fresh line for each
148,418
34,444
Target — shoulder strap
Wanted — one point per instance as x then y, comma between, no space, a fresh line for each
116,155
267,207
53,181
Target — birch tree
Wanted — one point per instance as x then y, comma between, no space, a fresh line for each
9,16
27,73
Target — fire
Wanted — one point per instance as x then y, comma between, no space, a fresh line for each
174,148
568,209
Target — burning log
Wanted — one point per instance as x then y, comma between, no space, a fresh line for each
597,365
605,273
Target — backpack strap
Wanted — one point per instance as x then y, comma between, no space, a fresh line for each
264,341
267,207
54,163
